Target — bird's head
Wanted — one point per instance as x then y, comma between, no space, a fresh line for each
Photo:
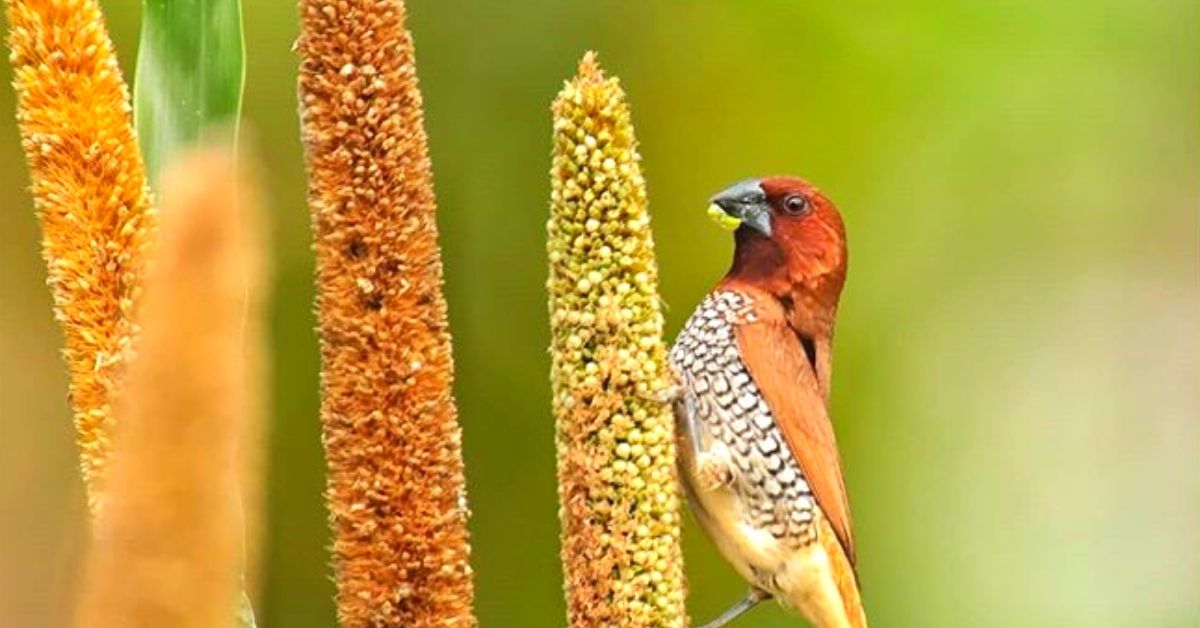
789,236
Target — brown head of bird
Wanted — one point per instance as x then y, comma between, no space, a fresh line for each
791,243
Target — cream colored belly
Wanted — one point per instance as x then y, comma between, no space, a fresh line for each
799,576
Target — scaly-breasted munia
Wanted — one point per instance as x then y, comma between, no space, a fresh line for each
757,453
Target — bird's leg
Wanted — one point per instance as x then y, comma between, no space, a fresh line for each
692,418
712,465
737,610
712,468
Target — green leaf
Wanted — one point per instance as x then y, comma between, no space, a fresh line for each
190,73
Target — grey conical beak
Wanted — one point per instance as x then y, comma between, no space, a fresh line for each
747,203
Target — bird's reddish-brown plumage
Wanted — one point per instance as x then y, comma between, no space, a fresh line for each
787,381
795,277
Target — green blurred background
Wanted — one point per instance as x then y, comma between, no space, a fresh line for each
1016,394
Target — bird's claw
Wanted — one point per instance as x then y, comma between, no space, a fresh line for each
669,394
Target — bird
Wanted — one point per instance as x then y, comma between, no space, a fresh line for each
752,370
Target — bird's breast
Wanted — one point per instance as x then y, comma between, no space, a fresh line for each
765,511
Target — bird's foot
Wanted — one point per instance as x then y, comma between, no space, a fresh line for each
669,394
737,610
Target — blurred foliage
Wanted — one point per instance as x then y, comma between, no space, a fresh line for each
190,69
1016,364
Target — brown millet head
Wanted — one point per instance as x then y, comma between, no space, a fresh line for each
396,491
168,547
616,452
89,189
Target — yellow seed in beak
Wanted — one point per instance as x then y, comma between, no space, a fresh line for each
727,222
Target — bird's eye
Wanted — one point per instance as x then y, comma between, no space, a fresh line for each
795,204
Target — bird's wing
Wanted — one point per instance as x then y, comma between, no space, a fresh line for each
787,381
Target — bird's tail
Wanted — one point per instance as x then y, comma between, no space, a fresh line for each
853,603
844,577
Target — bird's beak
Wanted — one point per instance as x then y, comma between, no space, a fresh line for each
743,203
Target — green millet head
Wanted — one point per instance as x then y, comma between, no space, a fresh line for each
616,451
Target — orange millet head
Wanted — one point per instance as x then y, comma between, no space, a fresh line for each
396,490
